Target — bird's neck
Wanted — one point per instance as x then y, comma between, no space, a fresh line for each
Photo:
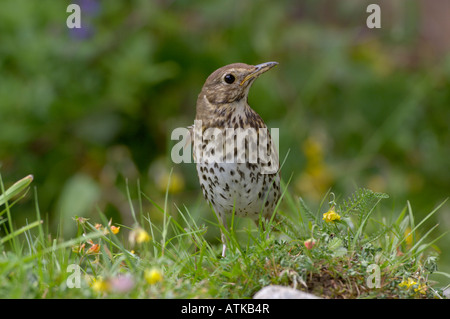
230,115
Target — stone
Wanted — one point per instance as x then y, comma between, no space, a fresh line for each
282,292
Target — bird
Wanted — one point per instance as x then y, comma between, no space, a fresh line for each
236,160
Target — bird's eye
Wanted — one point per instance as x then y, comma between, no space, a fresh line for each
229,78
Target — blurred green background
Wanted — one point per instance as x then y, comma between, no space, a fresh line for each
84,110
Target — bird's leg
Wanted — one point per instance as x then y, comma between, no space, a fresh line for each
224,246
223,237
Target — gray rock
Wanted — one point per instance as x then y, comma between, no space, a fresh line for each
281,292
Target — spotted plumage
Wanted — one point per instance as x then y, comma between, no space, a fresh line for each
237,163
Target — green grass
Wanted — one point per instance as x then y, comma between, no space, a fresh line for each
173,259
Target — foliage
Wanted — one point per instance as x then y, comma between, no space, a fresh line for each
177,261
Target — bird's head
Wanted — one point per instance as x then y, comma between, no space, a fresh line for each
232,82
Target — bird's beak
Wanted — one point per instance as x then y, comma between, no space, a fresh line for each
259,69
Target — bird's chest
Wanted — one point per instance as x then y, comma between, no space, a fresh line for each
238,185
231,177
229,164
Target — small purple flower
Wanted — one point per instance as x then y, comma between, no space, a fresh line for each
89,7
89,10
84,32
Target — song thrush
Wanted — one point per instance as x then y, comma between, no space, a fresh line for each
237,163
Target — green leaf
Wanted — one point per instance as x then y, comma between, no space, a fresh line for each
16,189
19,231
361,202
305,210
335,245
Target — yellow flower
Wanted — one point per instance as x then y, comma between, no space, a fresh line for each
421,289
153,276
100,285
165,179
407,284
142,236
411,283
138,235
331,216
176,183
115,230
